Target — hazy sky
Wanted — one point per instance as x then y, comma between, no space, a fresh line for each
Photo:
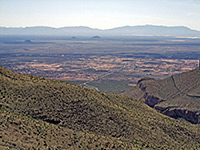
101,14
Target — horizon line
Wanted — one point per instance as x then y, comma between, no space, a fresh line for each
95,27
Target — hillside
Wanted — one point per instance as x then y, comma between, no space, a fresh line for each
143,30
177,96
78,110
21,132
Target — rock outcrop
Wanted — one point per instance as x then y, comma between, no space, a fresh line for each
175,112
177,96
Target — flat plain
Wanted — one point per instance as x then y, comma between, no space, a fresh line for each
108,64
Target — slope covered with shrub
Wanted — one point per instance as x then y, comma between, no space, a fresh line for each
177,96
80,109
22,132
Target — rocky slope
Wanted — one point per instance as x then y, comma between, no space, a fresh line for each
177,96
75,109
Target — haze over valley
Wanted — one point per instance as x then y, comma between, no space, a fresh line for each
100,75
108,64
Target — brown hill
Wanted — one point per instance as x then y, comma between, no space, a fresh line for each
177,96
66,106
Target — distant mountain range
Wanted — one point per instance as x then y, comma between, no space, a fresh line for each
144,30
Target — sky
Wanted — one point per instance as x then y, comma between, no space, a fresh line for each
102,14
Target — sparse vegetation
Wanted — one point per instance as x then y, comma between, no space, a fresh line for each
177,96
21,132
67,107
119,61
